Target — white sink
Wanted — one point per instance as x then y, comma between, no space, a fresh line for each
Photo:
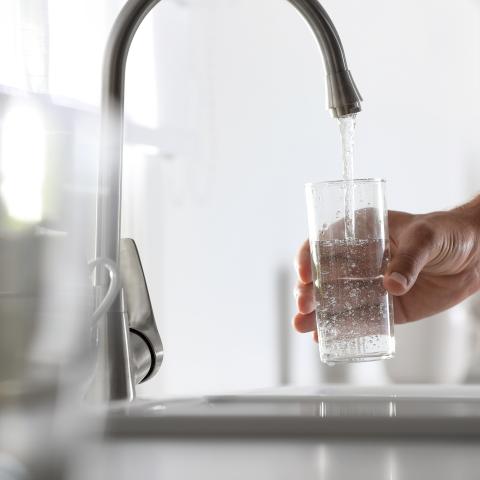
330,410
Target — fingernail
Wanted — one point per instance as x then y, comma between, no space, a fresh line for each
399,278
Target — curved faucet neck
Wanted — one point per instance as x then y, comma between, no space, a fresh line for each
342,94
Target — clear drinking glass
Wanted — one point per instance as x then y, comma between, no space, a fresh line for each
349,246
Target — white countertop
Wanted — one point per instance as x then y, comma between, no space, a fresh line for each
345,455
334,459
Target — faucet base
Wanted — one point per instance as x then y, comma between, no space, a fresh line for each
112,378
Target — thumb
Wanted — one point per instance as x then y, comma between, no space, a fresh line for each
414,251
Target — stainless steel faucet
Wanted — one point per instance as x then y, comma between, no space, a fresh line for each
129,347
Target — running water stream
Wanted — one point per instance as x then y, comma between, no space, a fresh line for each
347,131
353,309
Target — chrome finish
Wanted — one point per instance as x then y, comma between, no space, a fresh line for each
141,357
113,374
147,348
342,96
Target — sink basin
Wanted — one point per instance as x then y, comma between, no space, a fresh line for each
331,410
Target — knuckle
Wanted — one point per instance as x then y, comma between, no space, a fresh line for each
407,264
424,232
407,258
305,299
305,305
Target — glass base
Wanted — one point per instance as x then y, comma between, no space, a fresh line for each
332,361
355,350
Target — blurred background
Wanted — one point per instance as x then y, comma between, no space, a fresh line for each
226,121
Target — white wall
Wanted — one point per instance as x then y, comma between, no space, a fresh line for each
219,215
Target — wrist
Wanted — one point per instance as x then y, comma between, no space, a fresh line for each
471,213
470,217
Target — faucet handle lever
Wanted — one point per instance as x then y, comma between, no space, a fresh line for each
145,343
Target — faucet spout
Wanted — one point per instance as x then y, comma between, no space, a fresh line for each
343,99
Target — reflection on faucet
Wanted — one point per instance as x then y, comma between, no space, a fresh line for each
343,98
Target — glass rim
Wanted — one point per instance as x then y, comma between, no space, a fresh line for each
344,182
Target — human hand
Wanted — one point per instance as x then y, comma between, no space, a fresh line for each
435,265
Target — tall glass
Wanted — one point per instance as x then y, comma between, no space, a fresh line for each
349,246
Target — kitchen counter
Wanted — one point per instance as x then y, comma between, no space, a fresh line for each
331,459
402,443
